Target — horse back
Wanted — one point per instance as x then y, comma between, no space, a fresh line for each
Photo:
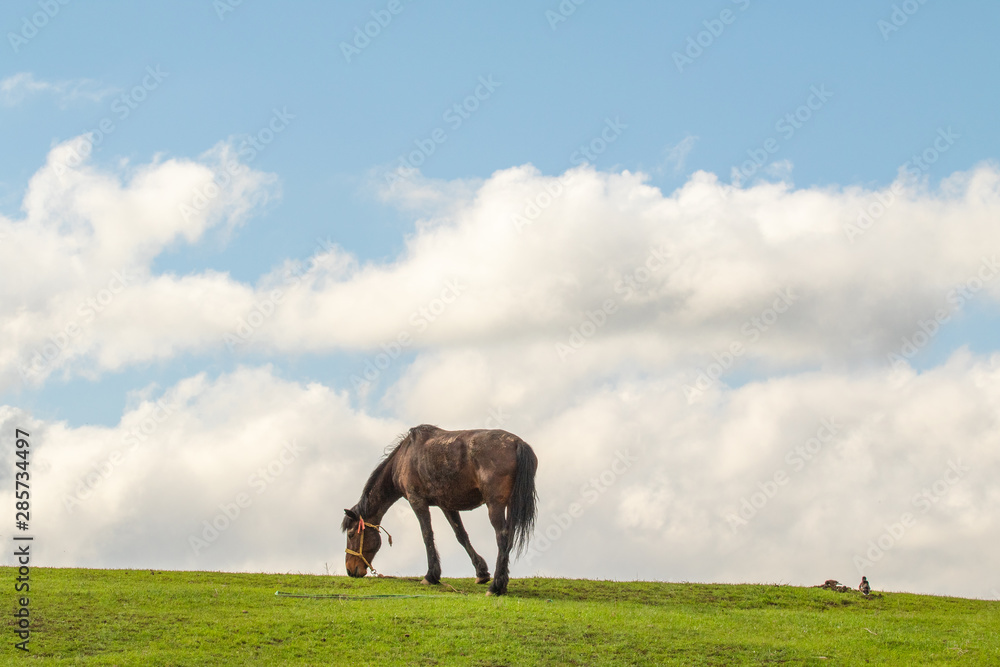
458,470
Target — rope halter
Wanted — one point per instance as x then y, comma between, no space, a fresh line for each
361,547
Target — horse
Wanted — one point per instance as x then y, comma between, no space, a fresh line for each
456,471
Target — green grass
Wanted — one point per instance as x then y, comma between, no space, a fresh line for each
133,617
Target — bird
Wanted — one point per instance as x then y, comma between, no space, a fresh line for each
864,587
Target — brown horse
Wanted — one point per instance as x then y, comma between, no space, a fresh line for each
456,471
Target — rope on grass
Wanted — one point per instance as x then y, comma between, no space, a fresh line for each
340,596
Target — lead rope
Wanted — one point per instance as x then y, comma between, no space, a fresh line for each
361,547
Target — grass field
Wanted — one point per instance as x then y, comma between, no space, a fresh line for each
136,617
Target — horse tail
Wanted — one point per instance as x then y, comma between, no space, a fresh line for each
521,509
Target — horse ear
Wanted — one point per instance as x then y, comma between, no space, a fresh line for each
352,514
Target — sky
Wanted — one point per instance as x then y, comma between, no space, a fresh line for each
728,267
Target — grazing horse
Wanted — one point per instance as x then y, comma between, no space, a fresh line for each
456,471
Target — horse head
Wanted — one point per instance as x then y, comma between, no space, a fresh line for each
363,542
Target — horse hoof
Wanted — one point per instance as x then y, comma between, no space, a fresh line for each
428,582
489,593
483,580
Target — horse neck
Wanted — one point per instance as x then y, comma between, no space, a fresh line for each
380,497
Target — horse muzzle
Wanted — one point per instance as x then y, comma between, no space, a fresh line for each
357,569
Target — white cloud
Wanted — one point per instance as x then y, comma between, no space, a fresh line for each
780,170
684,277
17,88
730,251
134,494
657,482
81,296
591,309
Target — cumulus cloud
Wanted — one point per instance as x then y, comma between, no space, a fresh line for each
139,493
792,480
680,278
82,298
686,274
717,380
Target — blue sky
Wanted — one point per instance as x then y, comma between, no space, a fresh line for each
225,72
838,98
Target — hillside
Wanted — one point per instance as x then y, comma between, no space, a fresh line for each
123,617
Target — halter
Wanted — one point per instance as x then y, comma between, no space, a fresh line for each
361,547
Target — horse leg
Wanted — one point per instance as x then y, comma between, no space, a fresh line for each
482,570
498,517
423,513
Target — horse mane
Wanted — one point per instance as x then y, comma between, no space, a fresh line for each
363,507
